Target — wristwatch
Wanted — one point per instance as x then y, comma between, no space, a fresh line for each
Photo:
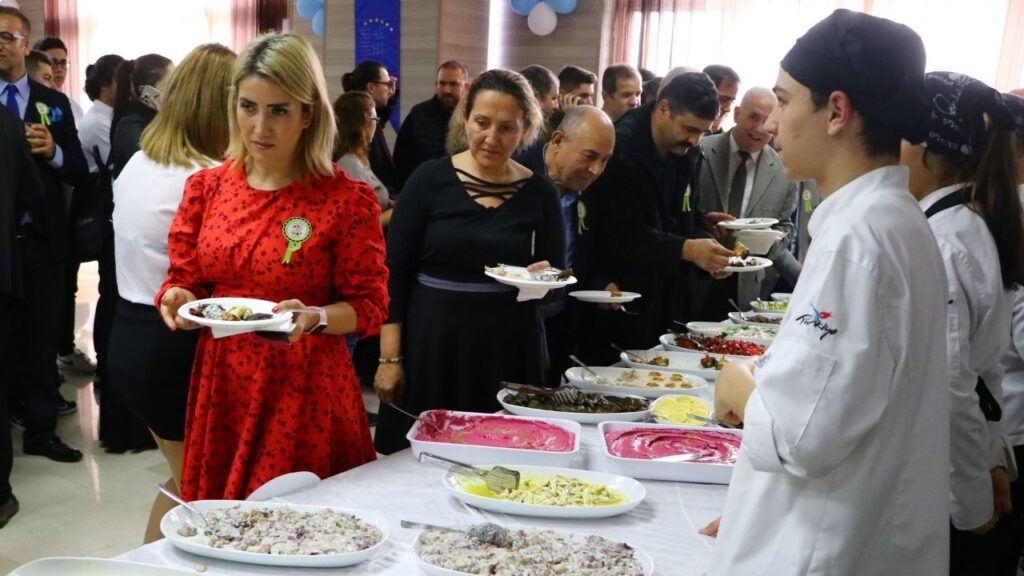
321,325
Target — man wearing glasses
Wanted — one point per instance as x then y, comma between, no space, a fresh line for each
58,53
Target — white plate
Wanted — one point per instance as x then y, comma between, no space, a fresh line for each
762,306
519,277
668,341
754,263
645,559
178,516
92,567
284,484
603,296
580,378
759,241
707,473
581,417
685,362
748,223
473,454
738,318
782,296
255,304
632,492
707,328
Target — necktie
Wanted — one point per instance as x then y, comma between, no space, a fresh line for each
11,101
739,182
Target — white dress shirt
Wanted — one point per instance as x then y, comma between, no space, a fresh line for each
94,130
1013,365
977,337
844,467
146,197
734,164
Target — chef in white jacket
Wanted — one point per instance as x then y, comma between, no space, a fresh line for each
844,467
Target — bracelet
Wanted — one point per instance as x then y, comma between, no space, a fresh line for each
392,360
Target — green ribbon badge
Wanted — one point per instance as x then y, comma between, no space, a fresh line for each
807,201
687,207
296,231
581,218
44,113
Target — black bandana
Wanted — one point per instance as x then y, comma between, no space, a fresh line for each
958,105
878,63
1016,106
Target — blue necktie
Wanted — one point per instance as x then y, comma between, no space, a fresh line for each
11,100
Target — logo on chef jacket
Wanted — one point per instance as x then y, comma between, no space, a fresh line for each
819,320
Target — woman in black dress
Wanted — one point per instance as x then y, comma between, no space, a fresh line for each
453,333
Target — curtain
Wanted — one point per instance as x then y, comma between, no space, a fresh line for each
61,20
244,23
1010,72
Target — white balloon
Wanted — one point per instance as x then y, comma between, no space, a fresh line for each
542,19
10,4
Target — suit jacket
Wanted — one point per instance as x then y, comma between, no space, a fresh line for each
19,193
50,215
421,137
786,263
772,196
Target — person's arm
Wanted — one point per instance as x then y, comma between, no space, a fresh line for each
29,190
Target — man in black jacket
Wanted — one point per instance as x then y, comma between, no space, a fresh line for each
57,154
425,128
643,230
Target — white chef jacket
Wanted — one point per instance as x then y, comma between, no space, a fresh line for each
94,130
1013,381
977,337
844,467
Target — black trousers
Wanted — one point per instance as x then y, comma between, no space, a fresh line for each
6,450
66,331
106,307
32,353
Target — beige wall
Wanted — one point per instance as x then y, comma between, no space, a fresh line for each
34,10
576,40
463,33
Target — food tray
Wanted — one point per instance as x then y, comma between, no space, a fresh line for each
581,417
705,473
580,378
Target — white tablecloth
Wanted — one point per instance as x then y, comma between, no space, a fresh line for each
665,524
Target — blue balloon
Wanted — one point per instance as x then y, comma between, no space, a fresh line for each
308,8
318,24
523,7
562,6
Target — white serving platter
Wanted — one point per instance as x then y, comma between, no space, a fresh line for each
91,567
705,473
603,296
581,417
666,383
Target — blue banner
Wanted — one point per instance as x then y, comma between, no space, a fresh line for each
377,38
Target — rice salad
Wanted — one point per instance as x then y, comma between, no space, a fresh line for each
284,531
529,553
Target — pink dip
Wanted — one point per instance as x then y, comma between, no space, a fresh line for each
651,443
498,431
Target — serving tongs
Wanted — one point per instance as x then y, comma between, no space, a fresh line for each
499,479
589,370
633,357
488,532
688,334
563,394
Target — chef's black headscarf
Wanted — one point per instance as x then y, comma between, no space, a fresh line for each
1016,105
957,119
878,63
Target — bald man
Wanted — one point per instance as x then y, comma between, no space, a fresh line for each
744,178
575,156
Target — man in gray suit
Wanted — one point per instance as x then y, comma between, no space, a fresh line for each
744,178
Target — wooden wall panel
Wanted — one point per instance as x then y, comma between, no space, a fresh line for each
35,11
576,40
464,33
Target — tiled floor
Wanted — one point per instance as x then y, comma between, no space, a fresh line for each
96,507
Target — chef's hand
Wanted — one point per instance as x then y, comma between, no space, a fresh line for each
40,140
713,218
389,381
611,287
733,388
173,299
303,321
706,253
712,528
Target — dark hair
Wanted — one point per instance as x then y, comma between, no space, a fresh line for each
541,79
612,74
49,43
351,111
645,74
878,138
721,74
365,72
571,77
25,23
35,58
512,84
650,91
454,65
131,76
101,74
692,93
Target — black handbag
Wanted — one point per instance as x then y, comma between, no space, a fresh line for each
92,206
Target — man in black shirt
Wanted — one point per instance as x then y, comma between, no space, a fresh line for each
425,128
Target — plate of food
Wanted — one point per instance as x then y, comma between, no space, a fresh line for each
778,306
511,551
668,452
645,383
747,264
276,534
734,348
232,312
604,296
70,566
578,406
552,493
680,409
704,365
520,276
748,223
781,296
762,319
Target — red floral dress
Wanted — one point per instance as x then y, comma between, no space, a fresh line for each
258,409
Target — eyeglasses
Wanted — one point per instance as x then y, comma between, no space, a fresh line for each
10,38
388,83
63,63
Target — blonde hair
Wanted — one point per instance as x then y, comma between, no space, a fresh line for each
290,62
191,128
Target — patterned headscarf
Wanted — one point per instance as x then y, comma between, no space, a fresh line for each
959,105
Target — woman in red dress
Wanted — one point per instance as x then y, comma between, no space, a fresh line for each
276,221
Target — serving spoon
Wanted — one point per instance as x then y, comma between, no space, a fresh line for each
192,509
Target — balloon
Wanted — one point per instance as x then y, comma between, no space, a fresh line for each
542,20
308,8
523,7
562,6
318,24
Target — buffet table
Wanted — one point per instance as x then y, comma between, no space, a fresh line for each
398,487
